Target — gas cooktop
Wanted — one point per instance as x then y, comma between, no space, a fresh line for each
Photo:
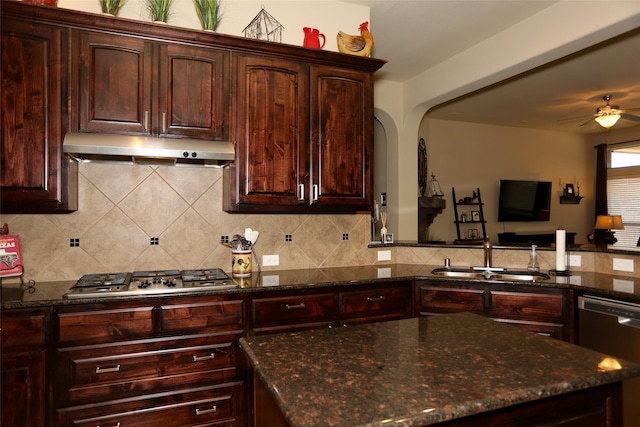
152,282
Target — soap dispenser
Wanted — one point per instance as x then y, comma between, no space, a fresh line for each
533,260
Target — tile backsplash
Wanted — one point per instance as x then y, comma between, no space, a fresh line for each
134,217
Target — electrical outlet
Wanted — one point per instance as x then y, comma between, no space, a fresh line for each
574,260
621,285
384,255
384,273
271,280
621,264
270,260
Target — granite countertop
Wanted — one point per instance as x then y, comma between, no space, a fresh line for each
419,371
52,293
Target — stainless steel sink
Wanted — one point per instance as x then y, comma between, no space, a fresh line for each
507,275
465,273
521,275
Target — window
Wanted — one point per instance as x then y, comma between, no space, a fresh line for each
623,192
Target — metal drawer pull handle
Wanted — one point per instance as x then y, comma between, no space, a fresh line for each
294,306
315,192
164,122
373,299
115,425
206,411
100,370
203,358
301,195
146,120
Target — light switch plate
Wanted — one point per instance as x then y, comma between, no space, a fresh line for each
621,264
270,260
384,255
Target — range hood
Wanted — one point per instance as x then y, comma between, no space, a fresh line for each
129,149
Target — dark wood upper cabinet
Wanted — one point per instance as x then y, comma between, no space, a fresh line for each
301,119
34,173
271,152
342,138
305,138
129,85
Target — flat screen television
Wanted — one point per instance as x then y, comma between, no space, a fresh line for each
524,201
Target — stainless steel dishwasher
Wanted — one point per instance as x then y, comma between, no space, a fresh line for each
613,327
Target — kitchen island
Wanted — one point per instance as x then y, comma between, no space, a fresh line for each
449,370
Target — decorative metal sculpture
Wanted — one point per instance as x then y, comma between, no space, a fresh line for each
264,27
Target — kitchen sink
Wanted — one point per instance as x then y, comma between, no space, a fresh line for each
470,273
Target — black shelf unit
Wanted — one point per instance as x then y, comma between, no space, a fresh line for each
464,225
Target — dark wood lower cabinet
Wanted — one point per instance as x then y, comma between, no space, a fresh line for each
216,405
23,375
595,407
545,311
170,362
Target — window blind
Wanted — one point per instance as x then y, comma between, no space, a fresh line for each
623,198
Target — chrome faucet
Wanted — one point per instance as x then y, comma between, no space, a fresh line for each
487,253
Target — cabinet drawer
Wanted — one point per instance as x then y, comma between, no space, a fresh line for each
371,302
293,308
202,316
98,371
206,406
527,306
22,328
100,324
446,300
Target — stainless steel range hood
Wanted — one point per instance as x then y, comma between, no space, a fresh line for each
129,149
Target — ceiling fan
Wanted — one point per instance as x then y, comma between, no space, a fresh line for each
609,115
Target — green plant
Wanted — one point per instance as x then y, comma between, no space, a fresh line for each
112,6
209,13
159,9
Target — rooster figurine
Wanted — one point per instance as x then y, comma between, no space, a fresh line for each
356,45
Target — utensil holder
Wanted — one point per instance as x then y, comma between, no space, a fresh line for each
241,263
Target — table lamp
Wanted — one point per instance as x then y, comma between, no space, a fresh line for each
606,223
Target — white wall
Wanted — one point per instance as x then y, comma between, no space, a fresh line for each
468,155
328,16
561,29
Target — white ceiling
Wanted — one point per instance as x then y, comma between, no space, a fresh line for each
414,35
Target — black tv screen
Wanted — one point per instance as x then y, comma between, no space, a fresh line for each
524,201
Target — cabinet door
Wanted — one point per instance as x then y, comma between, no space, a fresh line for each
341,137
451,298
194,95
34,173
23,388
271,151
375,304
291,312
115,83
22,368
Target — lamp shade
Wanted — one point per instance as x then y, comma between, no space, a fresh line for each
607,120
609,222
617,223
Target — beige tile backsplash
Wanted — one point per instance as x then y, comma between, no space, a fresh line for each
122,206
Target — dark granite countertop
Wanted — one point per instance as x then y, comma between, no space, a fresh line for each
419,371
52,293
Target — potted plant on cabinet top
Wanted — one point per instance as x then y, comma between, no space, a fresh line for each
209,13
112,7
159,9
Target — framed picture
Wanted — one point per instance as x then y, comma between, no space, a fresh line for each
568,190
473,233
475,215
387,238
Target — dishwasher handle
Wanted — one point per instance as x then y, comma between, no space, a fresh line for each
628,314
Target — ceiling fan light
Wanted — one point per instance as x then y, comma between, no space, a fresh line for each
607,120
